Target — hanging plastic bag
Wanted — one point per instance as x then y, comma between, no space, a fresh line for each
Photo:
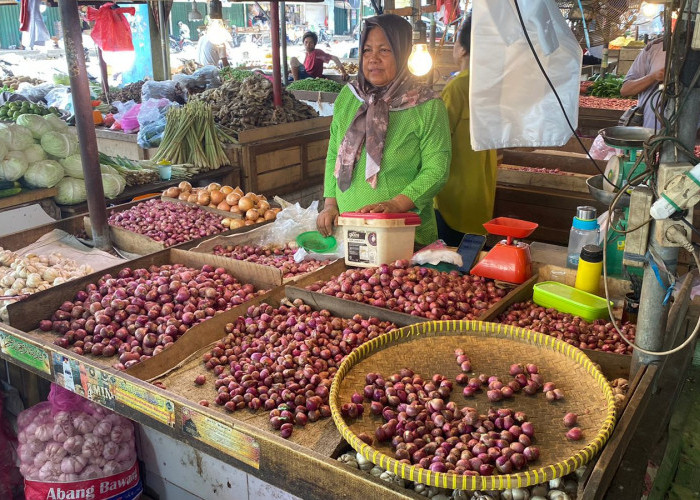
130,120
112,32
510,102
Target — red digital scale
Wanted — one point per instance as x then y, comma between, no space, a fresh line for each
508,260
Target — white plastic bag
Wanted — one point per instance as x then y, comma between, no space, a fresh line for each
510,102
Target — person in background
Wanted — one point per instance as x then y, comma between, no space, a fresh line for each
643,79
389,149
467,199
313,64
184,31
210,54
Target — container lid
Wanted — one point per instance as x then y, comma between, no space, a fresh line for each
313,241
570,300
409,218
585,224
586,212
592,253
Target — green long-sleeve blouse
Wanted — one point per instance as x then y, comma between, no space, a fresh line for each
416,160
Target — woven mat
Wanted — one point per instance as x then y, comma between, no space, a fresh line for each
428,348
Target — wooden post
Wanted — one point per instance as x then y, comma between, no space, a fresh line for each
80,90
159,73
275,39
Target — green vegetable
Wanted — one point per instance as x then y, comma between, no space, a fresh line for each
4,193
10,111
13,166
609,86
9,184
59,145
316,84
70,191
238,74
44,174
35,123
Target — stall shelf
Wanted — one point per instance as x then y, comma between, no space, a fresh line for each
44,197
228,176
309,471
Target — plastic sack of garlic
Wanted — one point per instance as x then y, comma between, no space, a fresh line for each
25,275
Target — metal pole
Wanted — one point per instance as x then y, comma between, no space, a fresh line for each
433,52
275,38
283,26
103,74
164,42
80,91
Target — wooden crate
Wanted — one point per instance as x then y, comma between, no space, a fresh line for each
279,159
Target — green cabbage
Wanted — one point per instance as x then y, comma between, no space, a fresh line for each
56,123
35,123
70,191
3,149
106,169
12,167
73,166
59,145
34,153
16,138
44,174
111,185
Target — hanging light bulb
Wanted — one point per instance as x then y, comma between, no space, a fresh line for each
419,62
217,31
194,14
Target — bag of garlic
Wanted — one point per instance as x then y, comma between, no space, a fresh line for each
70,447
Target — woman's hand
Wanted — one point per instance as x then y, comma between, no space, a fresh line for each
399,204
327,218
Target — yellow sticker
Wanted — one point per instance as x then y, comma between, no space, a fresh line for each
221,436
144,401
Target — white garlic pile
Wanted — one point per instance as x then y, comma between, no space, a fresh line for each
33,273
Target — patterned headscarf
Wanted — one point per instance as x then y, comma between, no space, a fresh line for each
372,118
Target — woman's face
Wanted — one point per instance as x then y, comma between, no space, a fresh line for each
378,62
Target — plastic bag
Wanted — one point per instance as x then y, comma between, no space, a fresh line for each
73,445
112,32
168,89
152,121
130,120
36,93
601,151
60,97
202,79
510,102
435,253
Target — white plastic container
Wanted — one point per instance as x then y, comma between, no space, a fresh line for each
374,239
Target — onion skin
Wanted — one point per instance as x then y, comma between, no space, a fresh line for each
570,419
574,434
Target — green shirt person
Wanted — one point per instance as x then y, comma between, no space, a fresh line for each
390,146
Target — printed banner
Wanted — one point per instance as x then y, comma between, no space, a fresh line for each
24,352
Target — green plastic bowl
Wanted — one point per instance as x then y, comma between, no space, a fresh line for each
313,241
567,299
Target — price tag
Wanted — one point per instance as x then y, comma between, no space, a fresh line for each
145,401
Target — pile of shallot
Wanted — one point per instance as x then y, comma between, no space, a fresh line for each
140,312
281,257
430,432
415,290
598,336
21,276
73,445
283,360
169,223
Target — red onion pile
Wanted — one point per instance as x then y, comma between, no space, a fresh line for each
598,336
169,223
283,360
140,312
415,290
280,257
429,431
73,445
605,102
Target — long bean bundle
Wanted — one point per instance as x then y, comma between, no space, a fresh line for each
191,137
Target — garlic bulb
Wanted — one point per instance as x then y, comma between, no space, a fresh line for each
555,483
557,495
34,280
516,494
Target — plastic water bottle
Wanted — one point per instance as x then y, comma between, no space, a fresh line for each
584,231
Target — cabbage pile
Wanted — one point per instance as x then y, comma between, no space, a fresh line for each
43,152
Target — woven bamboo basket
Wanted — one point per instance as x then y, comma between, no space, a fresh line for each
428,348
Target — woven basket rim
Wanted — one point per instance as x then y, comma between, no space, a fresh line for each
522,479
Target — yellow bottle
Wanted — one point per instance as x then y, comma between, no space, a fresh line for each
590,265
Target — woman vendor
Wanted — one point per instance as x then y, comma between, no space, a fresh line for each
389,148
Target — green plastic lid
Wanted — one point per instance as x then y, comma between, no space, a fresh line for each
567,299
313,241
